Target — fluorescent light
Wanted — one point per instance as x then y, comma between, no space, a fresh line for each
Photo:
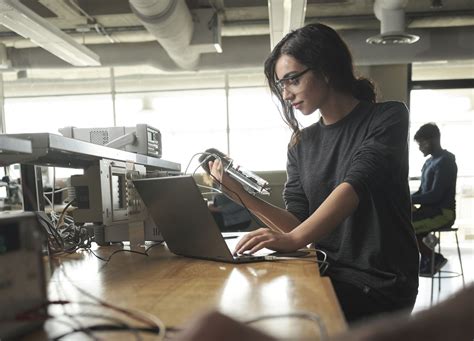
285,15
20,19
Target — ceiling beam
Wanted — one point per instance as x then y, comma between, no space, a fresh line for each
22,20
285,15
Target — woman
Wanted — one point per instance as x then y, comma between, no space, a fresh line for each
347,187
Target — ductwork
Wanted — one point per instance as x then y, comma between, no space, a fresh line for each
432,47
170,21
391,14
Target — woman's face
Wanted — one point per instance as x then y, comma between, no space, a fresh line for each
300,86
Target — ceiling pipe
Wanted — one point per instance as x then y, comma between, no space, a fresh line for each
254,27
170,21
432,47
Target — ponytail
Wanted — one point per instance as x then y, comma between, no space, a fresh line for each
364,90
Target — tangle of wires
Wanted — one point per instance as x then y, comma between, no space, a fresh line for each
64,236
88,316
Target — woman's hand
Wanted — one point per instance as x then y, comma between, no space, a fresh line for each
229,185
266,238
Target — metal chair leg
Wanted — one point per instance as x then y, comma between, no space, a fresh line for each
460,259
452,274
439,271
432,274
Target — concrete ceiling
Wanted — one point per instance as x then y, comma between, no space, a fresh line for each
112,30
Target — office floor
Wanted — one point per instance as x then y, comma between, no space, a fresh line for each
448,285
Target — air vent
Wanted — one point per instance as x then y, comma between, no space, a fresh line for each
393,39
391,14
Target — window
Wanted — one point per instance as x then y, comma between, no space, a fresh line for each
48,114
193,111
189,121
452,110
258,135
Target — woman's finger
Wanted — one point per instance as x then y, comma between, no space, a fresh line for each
259,246
246,237
242,242
254,240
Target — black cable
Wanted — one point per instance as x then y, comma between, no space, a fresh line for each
36,314
305,315
67,238
157,243
110,328
61,216
52,233
107,260
138,316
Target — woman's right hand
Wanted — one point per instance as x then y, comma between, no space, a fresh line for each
228,185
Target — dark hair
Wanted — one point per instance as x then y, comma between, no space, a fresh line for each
321,49
428,131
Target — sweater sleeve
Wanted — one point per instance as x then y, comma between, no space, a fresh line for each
295,199
379,159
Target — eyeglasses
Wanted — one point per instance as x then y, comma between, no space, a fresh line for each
290,83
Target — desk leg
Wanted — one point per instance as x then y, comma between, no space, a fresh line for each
32,188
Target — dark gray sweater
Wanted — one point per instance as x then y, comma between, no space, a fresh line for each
375,248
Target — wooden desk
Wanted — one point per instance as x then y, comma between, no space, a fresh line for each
176,289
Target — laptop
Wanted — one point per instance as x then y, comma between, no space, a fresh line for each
179,211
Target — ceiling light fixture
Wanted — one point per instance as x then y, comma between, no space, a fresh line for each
391,14
20,19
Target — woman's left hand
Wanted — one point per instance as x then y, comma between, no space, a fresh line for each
265,238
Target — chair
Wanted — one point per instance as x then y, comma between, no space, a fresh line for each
444,273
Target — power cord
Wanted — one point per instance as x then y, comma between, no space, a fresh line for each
141,316
154,325
323,264
306,315
107,260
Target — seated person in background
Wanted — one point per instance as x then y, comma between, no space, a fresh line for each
436,195
229,215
